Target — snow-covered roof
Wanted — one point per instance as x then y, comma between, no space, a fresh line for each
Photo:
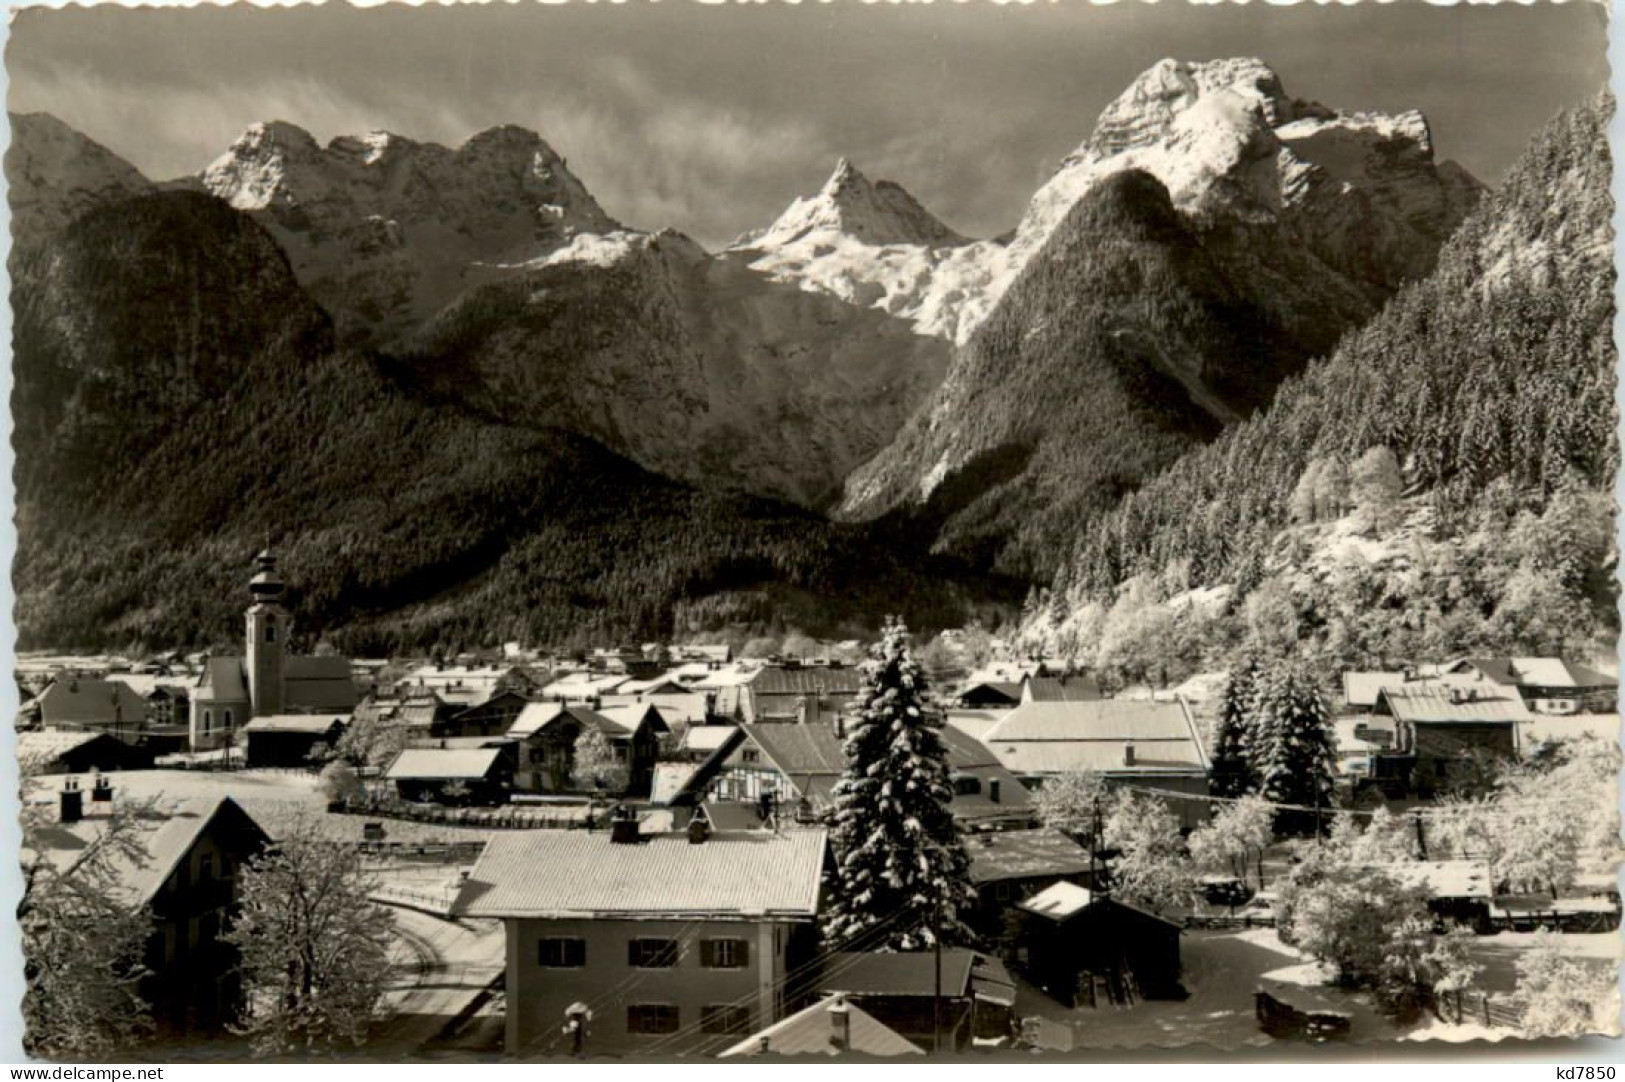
437,764
810,1032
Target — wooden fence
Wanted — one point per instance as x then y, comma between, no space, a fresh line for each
1491,1010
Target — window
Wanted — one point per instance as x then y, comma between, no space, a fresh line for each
651,1018
966,785
208,722
750,755
652,953
725,1019
724,953
270,632
228,719
561,952
205,867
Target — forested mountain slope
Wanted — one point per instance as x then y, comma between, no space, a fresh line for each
182,402
1440,484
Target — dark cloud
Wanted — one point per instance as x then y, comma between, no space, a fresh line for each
710,118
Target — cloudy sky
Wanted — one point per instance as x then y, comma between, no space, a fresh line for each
711,118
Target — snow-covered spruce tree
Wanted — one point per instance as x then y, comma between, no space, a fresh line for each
899,860
1294,753
1234,774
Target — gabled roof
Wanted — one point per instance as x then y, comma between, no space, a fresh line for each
811,1032
996,689
443,764
806,680
1062,901
89,700
1548,672
1056,737
799,750
669,780
732,815
166,843
313,724
1024,854
222,681
1077,688
708,737
633,716
538,716
1443,704
974,723
45,746
571,873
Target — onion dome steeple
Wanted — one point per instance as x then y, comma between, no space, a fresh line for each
266,585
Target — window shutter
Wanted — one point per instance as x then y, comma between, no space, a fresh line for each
741,952
708,953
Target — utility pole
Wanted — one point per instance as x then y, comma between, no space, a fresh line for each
936,997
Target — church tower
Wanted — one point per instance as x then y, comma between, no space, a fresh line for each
268,629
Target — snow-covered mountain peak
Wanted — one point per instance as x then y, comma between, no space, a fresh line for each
1146,111
853,206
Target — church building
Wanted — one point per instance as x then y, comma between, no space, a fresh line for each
232,691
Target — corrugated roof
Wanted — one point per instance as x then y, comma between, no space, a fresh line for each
912,973
569,873
798,750
293,723
1063,689
1432,704
811,1032
807,680
435,764
1024,854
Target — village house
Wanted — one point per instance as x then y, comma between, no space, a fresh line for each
89,703
795,767
1143,743
269,681
547,733
672,939
188,880
1086,949
830,1027
796,693
1445,735
492,717
899,990
470,684
454,775
1548,685
1066,688
989,695
583,687
291,740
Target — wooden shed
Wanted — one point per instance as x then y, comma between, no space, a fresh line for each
1084,948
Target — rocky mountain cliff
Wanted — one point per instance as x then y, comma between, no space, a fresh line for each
385,231
55,175
1260,231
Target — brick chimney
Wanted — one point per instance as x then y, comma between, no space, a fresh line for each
698,830
840,1024
623,829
